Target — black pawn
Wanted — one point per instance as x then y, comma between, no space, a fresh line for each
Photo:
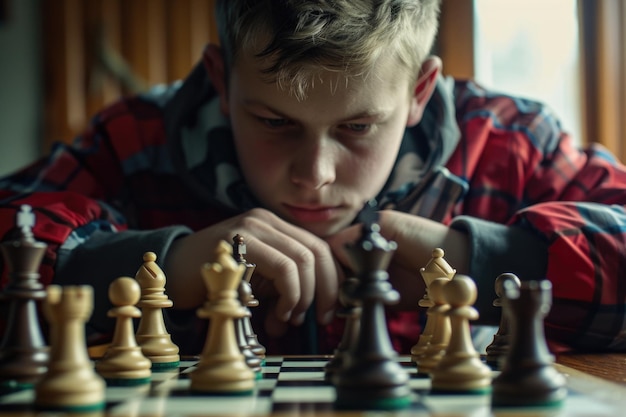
23,352
498,348
528,377
371,378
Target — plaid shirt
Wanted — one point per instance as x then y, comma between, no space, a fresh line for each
503,167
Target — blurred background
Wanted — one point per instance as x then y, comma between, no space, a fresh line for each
63,60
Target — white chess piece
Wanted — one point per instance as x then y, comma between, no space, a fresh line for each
123,362
461,369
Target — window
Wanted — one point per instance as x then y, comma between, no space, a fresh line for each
530,48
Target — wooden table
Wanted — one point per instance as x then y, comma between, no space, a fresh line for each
608,366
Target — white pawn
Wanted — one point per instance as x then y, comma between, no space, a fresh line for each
222,368
156,343
123,362
71,383
460,369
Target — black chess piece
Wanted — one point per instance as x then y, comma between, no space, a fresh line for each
497,349
371,378
23,352
252,360
350,311
528,377
247,299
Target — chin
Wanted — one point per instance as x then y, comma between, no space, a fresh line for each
324,230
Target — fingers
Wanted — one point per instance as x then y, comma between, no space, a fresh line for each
338,242
299,264
328,276
275,327
285,262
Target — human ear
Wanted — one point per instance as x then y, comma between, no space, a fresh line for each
424,87
213,61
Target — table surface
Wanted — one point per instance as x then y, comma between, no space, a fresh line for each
608,366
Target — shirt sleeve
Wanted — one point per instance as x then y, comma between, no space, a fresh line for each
106,256
495,249
82,204
533,185
80,188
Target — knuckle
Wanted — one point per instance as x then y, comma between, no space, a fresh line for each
288,276
286,266
320,248
250,221
291,298
260,214
256,212
304,257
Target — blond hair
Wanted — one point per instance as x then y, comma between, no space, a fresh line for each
298,39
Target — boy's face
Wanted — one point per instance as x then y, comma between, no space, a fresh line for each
314,162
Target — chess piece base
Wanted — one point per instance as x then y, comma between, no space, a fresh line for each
543,387
70,393
378,385
462,373
393,398
225,377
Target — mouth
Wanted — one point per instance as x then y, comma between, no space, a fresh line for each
312,214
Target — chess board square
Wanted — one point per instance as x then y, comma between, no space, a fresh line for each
315,376
17,401
248,405
419,384
302,369
273,361
271,369
286,366
304,409
265,384
309,394
308,359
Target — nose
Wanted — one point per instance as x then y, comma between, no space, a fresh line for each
314,165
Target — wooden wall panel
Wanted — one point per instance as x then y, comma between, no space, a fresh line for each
98,50
604,68
200,25
101,33
63,68
455,41
156,45
136,20
178,27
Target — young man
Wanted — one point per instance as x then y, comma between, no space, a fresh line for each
307,110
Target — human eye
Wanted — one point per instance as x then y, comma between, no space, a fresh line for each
357,128
274,123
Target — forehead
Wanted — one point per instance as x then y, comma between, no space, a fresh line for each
381,86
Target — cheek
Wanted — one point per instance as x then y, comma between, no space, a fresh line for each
369,169
259,162
375,161
262,164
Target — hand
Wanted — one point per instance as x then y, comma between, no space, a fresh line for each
292,264
416,238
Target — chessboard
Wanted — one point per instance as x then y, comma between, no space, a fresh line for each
296,386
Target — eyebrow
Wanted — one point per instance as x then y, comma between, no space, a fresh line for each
366,114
